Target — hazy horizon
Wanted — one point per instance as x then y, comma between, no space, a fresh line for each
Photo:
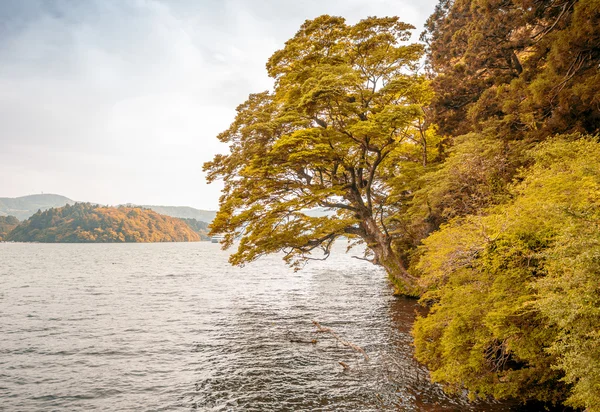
100,203
119,102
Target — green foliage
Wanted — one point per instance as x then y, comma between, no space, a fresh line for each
201,228
515,290
342,127
7,224
524,68
569,294
88,223
475,175
512,273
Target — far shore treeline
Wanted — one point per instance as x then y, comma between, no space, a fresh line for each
474,181
91,223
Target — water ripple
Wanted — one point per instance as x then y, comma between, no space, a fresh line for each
174,327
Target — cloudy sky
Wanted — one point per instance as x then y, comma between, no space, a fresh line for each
119,101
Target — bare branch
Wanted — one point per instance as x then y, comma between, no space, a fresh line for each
321,329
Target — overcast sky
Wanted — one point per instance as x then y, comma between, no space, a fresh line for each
119,101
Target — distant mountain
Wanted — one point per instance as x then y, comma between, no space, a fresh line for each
24,207
88,223
184,212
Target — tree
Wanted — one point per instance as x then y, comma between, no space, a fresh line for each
507,75
342,128
525,68
515,289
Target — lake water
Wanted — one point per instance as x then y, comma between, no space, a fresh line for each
161,327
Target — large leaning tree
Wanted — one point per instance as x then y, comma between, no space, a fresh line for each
341,130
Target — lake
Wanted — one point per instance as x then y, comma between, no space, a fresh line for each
172,326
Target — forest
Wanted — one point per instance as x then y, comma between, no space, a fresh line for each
198,226
89,223
7,224
467,165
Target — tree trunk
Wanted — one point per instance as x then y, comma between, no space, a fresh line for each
380,243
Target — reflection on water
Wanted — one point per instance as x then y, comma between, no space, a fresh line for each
173,326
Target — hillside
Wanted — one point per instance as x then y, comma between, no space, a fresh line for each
184,212
7,224
197,226
25,206
88,223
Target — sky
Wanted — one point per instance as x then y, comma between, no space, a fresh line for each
120,101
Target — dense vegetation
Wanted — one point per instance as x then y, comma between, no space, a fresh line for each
201,228
512,274
516,288
88,223
7,224
522,69
477,186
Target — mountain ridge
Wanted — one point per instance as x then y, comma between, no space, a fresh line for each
24,207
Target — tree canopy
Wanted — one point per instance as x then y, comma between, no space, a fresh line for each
344,121
526,68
